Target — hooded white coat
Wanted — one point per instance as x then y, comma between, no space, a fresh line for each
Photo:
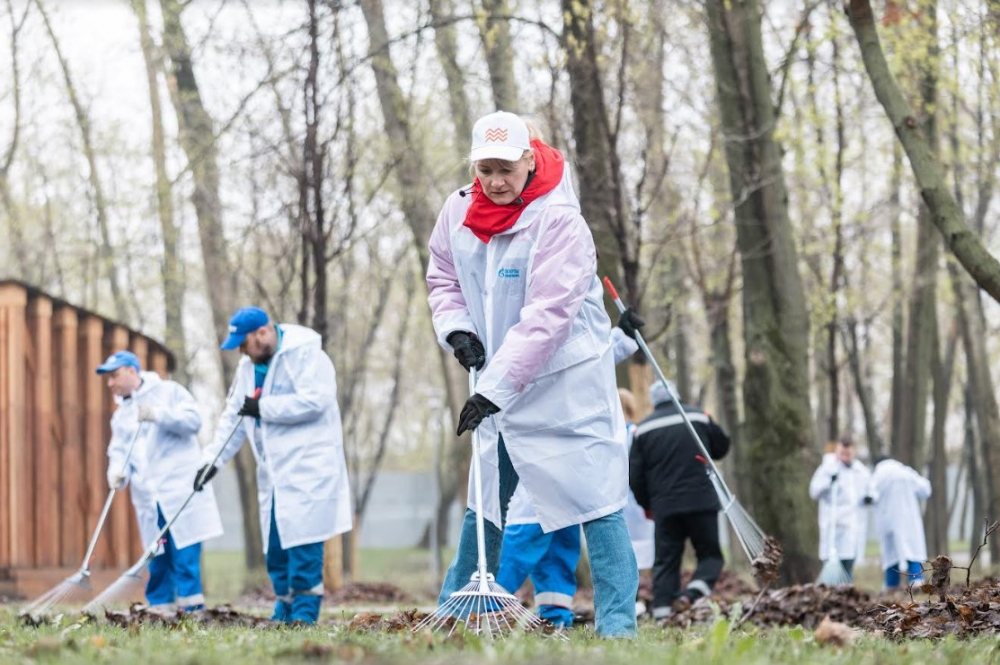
896,492
533,297
850,518
165,459
299,445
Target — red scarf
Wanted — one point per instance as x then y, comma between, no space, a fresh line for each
486,219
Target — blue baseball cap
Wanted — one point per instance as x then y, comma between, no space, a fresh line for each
244,322
119,360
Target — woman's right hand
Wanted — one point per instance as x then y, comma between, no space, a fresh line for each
468,349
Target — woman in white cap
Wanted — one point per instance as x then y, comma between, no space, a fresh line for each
514,292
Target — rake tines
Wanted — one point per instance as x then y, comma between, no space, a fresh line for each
123,589
482,609
70,591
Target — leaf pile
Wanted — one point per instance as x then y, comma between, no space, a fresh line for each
801,605
974,611
221,616
766,566
369,622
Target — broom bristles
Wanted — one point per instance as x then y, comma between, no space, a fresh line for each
70,591
122,589
750,536
833,573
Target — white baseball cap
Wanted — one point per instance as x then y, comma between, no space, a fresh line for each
499,135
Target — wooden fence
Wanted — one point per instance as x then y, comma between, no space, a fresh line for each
54,430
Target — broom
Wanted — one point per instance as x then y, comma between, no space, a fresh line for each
833,572
130,582
482,606
77,585
750,536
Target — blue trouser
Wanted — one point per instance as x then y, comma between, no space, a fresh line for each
612,561
175,575
297,576
550,559
914,572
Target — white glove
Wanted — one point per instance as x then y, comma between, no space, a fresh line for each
116,481
147,413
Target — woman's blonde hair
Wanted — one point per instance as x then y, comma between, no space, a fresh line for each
628,404
534,134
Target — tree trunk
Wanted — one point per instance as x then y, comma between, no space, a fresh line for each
413,179
446,45
778,432
896,396
494,30
197,138
936,515
170,270
966,245
876,445
100,203
601,198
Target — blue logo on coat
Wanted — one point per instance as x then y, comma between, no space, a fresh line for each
510,273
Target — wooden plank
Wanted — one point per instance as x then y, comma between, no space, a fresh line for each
72,503
92,390
158,363
18,471
119,517
46,455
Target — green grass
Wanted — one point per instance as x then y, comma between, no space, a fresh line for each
720,643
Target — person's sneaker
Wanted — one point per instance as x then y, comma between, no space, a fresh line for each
640,608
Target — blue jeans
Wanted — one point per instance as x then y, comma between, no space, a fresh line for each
550,559
175,575
914,573
612,561
297,576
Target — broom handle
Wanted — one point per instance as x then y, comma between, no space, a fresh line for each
666,385
155,545
85,565
477,481
834,495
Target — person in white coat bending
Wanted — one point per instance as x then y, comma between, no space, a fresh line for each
164,416
295,431
842,476
895,492
513,290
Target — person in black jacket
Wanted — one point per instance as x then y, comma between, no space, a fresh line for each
668,476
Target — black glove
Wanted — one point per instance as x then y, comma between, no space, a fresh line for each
867,501
833,478
630,322
468,349
476,408
251,407
205,474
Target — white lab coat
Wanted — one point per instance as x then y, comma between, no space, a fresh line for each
896,491
850,516
299,445
533,296
164,461
520,510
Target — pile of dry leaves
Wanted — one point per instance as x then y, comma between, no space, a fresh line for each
221,616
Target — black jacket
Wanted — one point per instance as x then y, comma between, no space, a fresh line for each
664,473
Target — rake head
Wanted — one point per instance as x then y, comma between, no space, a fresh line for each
122,590
750,535
481,607
833,573
70,591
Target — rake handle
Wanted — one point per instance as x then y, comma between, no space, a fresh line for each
477,481
666,384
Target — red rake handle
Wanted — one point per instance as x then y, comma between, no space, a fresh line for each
611,288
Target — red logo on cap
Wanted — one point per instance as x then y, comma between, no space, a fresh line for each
496,134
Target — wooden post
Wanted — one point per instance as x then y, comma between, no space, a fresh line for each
333,564
158,362
92,390
120,511
46,454
73,498
14,450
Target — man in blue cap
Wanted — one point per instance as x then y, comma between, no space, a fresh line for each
154,447
295,431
